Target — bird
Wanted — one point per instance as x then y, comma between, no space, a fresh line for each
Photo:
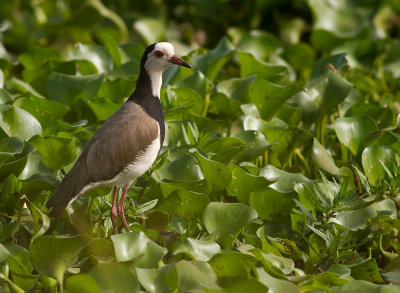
127,144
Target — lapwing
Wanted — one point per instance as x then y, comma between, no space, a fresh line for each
127,144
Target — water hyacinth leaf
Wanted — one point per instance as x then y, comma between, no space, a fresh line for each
114,277
4,253
323,158
367,270
82,283
202,250
225,220
43,110
386,207
19,123
249,66
153,256
274,284
117,90
214,60
355,219
224,107
53,255
187,96
5,96
56,152
216,173
224,149
328,91
95,54
257,42
152,30
392,59
183,168
184,204
38,56
103,108
195,275
284,181
197,81
232,265
243,183
337,61
269,203
256,145
269,97
365,286
68,89
132,246
200,186
41,221
163,279
237,88
111,47
378,161
352,131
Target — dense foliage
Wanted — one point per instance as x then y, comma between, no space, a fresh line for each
280,171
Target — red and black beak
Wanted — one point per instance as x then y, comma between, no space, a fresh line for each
179,61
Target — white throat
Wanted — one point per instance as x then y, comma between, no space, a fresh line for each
156,82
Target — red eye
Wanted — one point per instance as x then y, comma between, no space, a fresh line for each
158,54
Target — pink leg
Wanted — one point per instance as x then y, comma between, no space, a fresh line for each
114,210
121,211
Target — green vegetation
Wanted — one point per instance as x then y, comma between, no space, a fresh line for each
281,165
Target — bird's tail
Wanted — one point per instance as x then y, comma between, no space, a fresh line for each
70,188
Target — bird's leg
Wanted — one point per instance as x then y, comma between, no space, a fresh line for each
121,211
114,210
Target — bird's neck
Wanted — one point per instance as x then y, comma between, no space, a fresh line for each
148,84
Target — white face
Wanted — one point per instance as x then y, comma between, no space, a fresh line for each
158,59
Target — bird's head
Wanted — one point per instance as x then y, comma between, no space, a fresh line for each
159,56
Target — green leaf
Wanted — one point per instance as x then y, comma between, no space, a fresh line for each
164,279
328,91
274,284
216,173
237,88
37,56
114,277
197,81
82,283
284,181
53,255
323,158
376,161
103,108
19,123
4,253
269,97
195,275
214,60
352,131
95,54
225,220
231,266
321,65
249,66
367,270
152,30
184,204
56,152
243,183
184,168
224,149
355,219
202,250
270,204
68,89
256,145
136,246
365,286
200,186
41,221
43,110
